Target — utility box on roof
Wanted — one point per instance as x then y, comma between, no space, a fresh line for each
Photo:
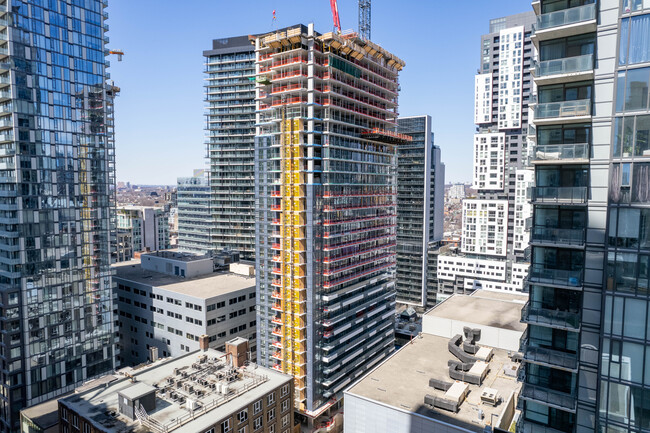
131,398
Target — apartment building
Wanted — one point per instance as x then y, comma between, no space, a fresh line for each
57,177
193,195
141,228
587,328
495,223
202,391
168,300
230,112
420,210
326,209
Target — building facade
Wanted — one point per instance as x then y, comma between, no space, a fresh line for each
230,96
171,310
58,189
587,338
494,223
141,228
420,209
326,210
193,195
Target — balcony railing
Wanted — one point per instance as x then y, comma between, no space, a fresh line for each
558,236
525,426
552,194
551,357
541,274
550,110
548,396
566,65
558,152
566,16
532,313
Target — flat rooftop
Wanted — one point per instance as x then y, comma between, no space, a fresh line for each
483,307
204,286
194,377
44,415
426,358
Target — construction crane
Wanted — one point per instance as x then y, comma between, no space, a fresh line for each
118,53
335,15
364,19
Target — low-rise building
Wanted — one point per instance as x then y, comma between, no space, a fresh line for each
458,375
141,228
202,391
167,300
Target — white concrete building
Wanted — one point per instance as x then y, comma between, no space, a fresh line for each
485,227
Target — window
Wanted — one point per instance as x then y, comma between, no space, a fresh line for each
635,40
243,429
242,416
257,407
225,426
632,89
271,414
257,424
270,399
285,406
86,428
212,307
75,420
251,295
284,391
285,420
64,413
241,298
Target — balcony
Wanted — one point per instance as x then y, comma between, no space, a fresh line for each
551,358
559,195
557,236
525,426
566,70
563,277
554,153
548,397
564,23
540,316
563,112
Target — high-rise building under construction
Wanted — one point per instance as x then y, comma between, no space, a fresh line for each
326,207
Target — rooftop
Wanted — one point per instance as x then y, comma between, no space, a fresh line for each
44,415
426,358
495,309
204,286
201,379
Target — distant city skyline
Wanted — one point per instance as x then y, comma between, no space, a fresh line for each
159,114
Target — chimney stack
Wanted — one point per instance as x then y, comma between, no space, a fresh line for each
204,342
238,350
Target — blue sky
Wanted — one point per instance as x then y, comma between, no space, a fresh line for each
159,114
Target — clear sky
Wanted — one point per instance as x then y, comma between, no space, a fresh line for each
159,113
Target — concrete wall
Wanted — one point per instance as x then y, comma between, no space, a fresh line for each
367,416
490,336
169,266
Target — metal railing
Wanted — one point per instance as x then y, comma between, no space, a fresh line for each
558,236
566,16
565,65
548,396
532,313
553,194
549,110
558,152
551,357
541,274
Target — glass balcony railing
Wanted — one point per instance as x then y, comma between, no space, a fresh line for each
551,357
534,313
552,194
525,426
549,110
548,396
558,236
566,65
558,152
566,16
540,273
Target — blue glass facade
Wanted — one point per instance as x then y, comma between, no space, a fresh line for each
56,200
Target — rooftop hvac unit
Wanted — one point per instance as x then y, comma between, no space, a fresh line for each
191,404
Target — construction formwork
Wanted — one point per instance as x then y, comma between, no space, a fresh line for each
326,207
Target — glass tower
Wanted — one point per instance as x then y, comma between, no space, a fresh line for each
420,210
57,190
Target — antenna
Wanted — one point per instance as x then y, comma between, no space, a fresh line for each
364,19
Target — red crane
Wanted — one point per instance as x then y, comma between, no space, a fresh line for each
335,15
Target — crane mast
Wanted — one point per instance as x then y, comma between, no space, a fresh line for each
364,19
